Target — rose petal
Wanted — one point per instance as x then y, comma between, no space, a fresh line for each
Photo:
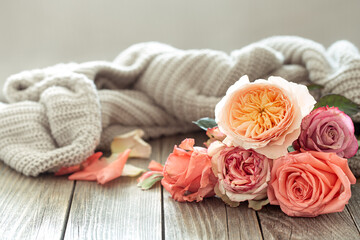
132,140
131,171
155,166
187,144
224,197
114,169
89,173
78,167
352,148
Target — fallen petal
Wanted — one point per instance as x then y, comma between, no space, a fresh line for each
89,173
78,167
114,169
131,140
67,170
131,171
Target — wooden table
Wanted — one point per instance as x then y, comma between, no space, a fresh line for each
51,207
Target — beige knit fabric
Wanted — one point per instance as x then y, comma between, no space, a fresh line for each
57,116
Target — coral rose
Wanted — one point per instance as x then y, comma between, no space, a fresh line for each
328,130
187,173
310,183
243,174
264,115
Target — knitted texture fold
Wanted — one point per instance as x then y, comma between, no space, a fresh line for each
59,115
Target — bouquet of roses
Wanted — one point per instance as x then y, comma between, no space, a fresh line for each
268,144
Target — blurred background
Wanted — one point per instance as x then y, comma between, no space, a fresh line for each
39,33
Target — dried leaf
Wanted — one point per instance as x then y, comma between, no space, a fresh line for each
258,204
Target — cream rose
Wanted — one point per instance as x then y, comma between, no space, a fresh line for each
264,115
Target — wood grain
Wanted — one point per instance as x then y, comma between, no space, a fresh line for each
243,223
354,204
117,210
204,220
276,225
32,208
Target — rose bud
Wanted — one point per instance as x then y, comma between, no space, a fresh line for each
214,134
327,129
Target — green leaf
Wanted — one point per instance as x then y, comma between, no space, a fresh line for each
314,86
205,123
150,181
344,104
291,149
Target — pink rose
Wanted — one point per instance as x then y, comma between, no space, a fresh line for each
264,115
242,174
187,173
310,183
328,130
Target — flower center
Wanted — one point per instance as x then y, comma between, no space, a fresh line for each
301,189
242,169
258,110
332,132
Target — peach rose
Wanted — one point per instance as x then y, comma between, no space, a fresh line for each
310,183
264,115
243,174
187,173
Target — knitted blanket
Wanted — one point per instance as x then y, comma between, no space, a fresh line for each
59,115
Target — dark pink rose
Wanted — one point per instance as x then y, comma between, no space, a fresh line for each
327,129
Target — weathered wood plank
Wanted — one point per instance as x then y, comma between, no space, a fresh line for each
243,223
117,210
204,220
354,204
33,208
276,225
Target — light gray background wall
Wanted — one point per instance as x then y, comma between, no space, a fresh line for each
40,33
